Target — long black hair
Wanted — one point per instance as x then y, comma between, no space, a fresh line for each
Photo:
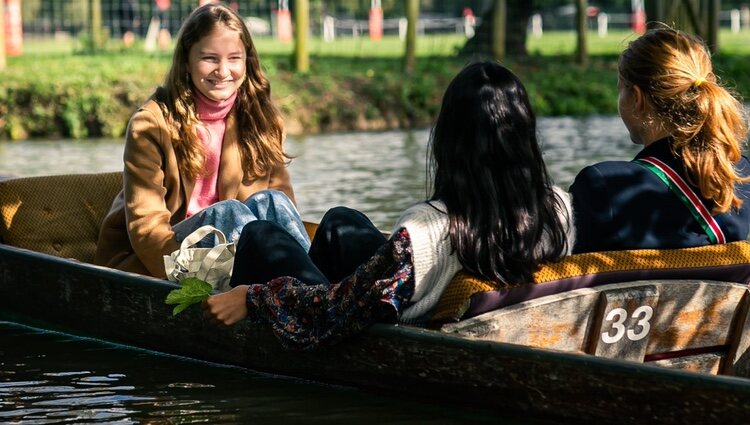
489,172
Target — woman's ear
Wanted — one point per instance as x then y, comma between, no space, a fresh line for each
639,100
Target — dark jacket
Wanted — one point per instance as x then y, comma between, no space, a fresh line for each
621,205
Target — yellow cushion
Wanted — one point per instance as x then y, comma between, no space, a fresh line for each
730,262
58,215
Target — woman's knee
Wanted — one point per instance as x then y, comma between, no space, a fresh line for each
259,230
267,196
340,216
227,206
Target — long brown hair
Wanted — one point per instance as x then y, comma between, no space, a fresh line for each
706,121
259,123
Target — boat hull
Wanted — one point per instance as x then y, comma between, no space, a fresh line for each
83,299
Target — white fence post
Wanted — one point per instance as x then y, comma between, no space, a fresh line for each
402,28
469,22
602,22
329,30
536,25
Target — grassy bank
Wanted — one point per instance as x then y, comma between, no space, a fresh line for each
354,84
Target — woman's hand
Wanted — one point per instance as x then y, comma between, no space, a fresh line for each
227,308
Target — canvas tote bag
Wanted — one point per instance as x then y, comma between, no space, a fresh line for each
212,265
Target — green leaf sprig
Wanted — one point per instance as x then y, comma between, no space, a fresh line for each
192,290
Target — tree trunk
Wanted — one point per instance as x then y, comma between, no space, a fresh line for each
410,55
97,36
301,31
582,56
499,16
695,16
712,25
517,17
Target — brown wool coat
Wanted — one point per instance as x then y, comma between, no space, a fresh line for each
137,231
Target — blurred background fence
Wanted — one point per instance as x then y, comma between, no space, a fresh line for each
329,18
64,18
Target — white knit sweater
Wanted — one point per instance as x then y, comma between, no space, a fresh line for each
434,262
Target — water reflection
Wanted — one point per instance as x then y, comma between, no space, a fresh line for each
48,378
378,173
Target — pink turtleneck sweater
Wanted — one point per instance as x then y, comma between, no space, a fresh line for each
212,115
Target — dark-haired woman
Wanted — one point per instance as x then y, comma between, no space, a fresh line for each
689,185
494,212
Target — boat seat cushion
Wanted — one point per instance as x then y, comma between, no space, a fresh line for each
468,296
57,215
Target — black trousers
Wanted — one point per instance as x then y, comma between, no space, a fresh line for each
344,239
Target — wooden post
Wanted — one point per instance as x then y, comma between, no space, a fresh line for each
412,15
582,57
499,14
301,30
2,35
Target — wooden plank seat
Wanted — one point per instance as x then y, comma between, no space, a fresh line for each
687,324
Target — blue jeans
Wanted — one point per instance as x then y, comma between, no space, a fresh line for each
231,216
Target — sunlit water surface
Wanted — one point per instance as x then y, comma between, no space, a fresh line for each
53,378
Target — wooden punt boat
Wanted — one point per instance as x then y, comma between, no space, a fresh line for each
477,362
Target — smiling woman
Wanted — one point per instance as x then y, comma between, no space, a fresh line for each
217,64
206,149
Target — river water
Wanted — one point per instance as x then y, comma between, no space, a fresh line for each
379,174
50,378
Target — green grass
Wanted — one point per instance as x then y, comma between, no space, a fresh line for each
564,42
363,47
360,47
552,43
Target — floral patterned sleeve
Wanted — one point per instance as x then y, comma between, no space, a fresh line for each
304,316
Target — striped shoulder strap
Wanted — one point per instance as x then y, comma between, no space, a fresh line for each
679,187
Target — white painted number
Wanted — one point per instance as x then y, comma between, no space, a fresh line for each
618,316
617,325
645,311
